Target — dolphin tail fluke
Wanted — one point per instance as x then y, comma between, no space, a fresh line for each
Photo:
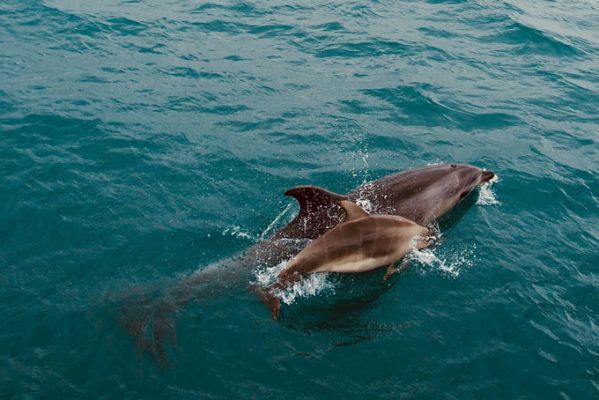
149,313
149,317
134,317
163,329
391,269
151,324
272,302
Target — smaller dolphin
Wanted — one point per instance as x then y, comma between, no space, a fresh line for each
361,243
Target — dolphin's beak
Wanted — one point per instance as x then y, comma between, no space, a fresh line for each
486,176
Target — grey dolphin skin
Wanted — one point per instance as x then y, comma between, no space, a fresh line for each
361,243
421,195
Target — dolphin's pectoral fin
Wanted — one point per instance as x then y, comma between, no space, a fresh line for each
272,302
352,210
405,263
391,269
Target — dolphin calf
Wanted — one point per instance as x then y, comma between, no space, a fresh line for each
361,243
421,195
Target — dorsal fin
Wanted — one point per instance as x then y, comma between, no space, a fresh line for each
312,198
319,212
352,210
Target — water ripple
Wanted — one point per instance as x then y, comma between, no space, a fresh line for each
142,141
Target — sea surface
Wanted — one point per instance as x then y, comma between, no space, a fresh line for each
141,141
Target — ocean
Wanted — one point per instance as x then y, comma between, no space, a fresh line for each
141,141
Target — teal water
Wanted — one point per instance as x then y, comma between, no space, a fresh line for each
141,141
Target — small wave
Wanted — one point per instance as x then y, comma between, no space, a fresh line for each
308,286
530,39
486,195
373,48
418,105
241,8
330,27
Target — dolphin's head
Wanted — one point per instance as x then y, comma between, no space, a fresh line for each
423,194
467,177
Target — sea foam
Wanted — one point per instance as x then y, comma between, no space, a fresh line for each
307,286
448,264
486,195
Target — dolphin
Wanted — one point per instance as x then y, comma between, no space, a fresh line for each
421,195
361,243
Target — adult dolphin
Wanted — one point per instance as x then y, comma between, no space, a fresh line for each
421,195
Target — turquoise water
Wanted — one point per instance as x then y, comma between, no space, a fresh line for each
141,141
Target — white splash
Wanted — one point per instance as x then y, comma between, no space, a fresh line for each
267,276
365,204
447,265
274,222
486,195
310,285
239,233
362,155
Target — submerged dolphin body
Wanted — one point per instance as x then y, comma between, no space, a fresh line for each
361,243
421,195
